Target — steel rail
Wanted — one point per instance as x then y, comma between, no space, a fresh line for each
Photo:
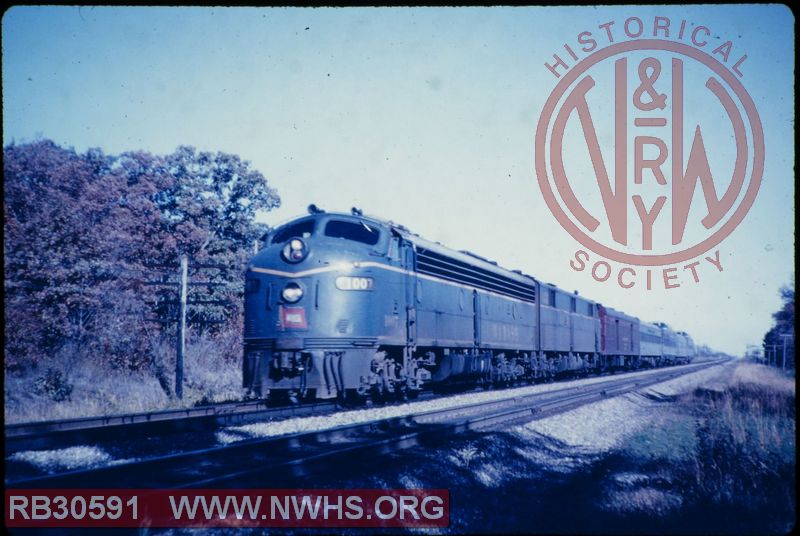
51,434
38,434
301,451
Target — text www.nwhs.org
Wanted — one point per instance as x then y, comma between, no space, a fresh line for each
307,507
253,508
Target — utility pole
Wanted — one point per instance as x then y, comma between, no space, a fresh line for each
181,329
184,303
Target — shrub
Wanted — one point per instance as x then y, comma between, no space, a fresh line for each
53,385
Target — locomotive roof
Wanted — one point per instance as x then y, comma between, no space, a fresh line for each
651,326
613,312
462,256
466,257
419,242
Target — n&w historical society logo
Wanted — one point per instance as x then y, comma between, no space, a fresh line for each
649,151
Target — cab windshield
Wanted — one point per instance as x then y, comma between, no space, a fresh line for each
356,231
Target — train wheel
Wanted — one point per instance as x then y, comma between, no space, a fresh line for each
351,398
412,394
282,397
385,396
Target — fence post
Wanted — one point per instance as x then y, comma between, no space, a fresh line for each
181,349
784,336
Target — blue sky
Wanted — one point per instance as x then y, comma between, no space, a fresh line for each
423,116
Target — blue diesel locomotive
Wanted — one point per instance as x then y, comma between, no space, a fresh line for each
345,305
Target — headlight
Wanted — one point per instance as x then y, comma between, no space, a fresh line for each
292,292
295,250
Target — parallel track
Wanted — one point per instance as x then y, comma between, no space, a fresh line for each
53,434
307,451
60,433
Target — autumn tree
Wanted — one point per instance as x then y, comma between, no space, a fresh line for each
84,231
57,262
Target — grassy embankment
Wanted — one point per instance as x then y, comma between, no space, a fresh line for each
728,452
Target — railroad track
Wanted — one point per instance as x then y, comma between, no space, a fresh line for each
60,433
274,457
53,434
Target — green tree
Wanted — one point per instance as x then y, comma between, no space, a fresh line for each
208,213
781,336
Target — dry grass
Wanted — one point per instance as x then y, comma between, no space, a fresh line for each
762,377
80,387
95,391
744,458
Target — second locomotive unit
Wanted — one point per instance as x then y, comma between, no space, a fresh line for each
340,305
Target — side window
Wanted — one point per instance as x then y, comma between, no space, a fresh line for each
394,249
572,305
553,297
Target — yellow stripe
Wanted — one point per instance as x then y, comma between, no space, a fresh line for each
371,264
294,274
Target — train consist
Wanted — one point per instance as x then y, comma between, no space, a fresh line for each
344,305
